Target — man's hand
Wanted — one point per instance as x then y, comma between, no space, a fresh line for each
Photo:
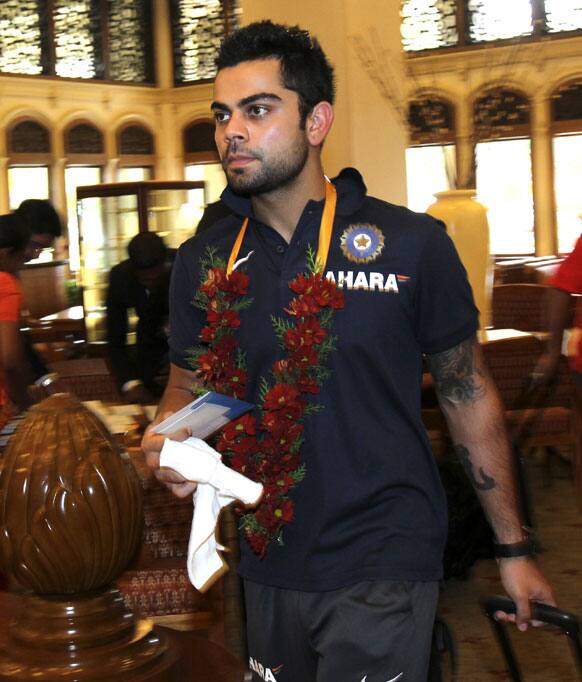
152,444
524,582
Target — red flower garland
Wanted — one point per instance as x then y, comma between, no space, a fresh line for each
266,447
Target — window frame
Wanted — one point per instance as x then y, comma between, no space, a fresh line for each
102,50
539,31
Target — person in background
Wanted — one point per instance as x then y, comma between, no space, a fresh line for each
351,590
44,225
565,282
43,222
16,373
141,283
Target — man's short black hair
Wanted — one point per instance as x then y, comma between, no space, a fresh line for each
14,232
146,250
304,67
41,217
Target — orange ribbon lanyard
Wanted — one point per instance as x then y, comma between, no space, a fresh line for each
325,230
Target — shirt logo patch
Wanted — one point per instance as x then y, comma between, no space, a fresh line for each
362,243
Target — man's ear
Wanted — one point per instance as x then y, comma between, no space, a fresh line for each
318,123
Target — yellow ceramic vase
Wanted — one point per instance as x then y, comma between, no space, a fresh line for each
466,221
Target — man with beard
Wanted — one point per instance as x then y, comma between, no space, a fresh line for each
350,591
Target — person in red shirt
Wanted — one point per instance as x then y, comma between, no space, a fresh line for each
14,368
566,281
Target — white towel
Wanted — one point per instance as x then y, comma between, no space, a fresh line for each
218,486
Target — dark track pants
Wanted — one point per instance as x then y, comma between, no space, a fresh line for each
374,631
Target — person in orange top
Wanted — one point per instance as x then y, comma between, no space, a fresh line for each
15,369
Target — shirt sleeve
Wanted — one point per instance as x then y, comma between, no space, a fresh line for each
446,314
10,298
569,275
186,321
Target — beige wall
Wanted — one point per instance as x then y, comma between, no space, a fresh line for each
367,133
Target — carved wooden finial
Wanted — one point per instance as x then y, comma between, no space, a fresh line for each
70,522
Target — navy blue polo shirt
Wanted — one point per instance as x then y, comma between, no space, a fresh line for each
371,505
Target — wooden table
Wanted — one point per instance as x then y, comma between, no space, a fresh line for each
206,661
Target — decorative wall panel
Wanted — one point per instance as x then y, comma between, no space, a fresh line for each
84,138
29,137
499,112
135,139
567,103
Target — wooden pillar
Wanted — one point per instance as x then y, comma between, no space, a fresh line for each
168,137
4,194
543,177
465,144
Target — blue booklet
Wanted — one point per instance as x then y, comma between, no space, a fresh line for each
205,415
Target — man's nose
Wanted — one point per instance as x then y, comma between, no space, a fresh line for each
235,128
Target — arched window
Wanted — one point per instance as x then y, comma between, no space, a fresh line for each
30,156
430,158
501,127
85,150
201,158
136,152
566,105
83,139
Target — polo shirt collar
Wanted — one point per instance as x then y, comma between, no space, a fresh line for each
351,192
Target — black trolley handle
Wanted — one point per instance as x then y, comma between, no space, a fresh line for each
568,623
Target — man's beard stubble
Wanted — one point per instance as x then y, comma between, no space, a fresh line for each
272,174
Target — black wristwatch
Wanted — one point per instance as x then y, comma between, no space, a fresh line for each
512,550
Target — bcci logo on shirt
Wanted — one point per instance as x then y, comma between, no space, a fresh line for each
362,243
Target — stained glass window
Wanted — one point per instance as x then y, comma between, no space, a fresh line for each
567,102
129,40
498,19
563,15
105,39
29,137
135,139
499,113
198,28
199,137
20,37
84,138
427,24
75,27
431,120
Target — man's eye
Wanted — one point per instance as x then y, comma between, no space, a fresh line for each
258,110
220,116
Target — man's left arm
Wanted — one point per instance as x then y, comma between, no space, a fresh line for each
474,413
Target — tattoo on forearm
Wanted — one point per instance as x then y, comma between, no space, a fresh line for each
455,373
484,482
